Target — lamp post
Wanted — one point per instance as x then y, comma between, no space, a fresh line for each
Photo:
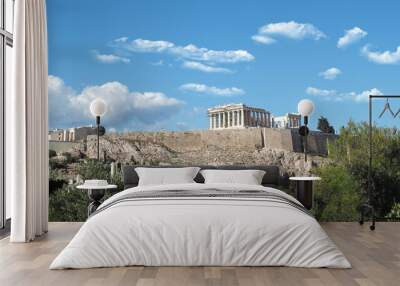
98,108
305,108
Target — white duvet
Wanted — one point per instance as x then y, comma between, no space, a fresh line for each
200,231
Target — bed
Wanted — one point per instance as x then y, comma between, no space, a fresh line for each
201,224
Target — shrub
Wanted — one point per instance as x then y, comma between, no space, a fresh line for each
68,204
337,195
52,153
93,169
351,152
394,213
56,180
68,157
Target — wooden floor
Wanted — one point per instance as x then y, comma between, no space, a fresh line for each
375,257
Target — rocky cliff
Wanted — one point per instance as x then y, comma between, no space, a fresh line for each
225,147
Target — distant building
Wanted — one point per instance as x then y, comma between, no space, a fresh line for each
71,134
289,120
231,116
56,135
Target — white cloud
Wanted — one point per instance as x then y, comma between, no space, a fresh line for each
351,36
189,52
109,58
147,46
333,95
126,109
386,57
330,73
202,88
262,39
291,30
204,68
364,96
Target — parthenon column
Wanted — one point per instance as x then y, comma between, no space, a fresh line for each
237,113
250,118
262,116
258,119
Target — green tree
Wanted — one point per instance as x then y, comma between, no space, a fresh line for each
68,204
52,153
350,152
337,195
324,126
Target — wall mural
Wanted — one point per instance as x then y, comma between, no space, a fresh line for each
218,83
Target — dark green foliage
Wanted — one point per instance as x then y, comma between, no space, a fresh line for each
93,169
56,164
52,153
68,204
394,214
68,158
337,196
350,154
324,126
56,180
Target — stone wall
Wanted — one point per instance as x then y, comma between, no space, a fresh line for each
267,146
65,146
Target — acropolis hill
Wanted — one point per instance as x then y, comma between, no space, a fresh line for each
266,146
238,134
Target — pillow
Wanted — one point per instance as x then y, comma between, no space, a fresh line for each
248,177
166,176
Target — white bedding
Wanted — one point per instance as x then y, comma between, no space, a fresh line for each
200,231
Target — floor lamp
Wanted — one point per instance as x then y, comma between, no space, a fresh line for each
305,108
98,108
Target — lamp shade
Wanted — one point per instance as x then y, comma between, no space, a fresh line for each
98,107
305,107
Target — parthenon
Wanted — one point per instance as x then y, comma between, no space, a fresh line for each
238,116
230,116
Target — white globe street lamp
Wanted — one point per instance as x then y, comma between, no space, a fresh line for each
98,108
305,108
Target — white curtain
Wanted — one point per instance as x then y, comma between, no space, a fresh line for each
27,123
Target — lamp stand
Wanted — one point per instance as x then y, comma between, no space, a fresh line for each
98,137
305,138
303,131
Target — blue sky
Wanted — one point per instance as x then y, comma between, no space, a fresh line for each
161,64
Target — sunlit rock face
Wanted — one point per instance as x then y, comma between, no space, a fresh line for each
255,146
